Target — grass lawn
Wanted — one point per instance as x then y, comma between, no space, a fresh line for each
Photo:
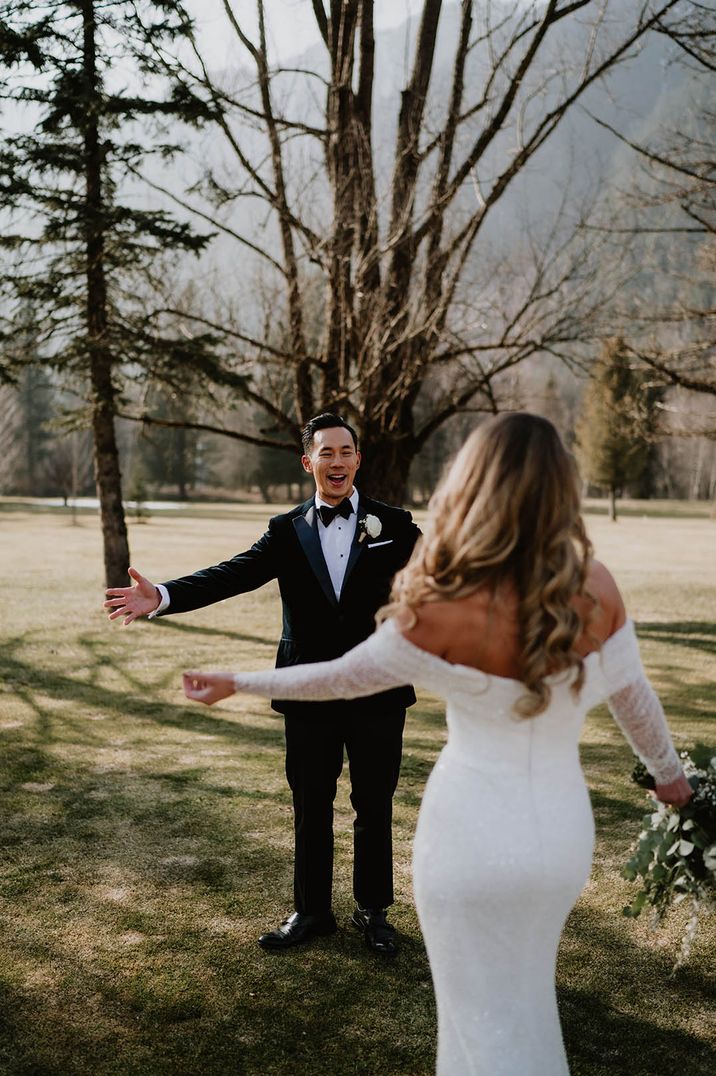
147,842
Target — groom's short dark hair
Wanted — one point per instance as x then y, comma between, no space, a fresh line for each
326,421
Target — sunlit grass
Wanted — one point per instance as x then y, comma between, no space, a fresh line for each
146,842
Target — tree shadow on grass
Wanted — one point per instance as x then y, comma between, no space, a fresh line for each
690,634
137,983
29,681
329,1010
222,1006
614,813
621,1024
361,1015
58,1047
178,999
164,623
689,703
611,1043
128,818
51,803
86,963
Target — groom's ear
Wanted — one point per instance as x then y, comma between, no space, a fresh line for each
306,463
358,458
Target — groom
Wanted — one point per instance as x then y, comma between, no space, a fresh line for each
334,558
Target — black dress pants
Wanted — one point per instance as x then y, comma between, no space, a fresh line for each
314,760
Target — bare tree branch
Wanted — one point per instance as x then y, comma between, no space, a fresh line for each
366,303
650,155
320,12
205,427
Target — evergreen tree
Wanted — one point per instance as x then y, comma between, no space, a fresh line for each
617,423
37,408
35,434
168,456
27,436
80,248
10,423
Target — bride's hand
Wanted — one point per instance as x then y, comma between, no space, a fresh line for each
208,687
678,792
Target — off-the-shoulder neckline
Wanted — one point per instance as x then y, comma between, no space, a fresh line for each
627,628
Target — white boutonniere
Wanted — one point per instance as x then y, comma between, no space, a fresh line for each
370,527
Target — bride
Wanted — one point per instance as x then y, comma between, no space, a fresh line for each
503,612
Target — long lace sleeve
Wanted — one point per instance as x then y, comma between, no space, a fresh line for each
635,706
385,660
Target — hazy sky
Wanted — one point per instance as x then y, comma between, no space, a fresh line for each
291,24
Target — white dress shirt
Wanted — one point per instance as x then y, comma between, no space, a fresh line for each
336,541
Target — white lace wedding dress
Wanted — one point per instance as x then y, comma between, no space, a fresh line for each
504,840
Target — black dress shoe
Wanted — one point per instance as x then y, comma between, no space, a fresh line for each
296,929
377,931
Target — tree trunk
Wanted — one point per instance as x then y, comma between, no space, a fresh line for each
107,473
612,504
108,478
385,468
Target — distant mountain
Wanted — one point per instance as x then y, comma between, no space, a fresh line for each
636,97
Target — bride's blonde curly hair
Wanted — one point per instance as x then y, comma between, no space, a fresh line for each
508,512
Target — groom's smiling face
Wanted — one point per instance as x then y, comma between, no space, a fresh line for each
333,462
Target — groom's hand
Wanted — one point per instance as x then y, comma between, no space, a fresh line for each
130,602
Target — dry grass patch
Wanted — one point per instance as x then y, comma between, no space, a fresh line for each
147,842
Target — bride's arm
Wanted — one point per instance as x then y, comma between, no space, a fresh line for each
632,701
638,712
375,665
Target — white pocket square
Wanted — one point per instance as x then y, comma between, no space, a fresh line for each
374,545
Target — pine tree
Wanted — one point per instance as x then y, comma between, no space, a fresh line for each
81,249
168,457
28,384
617,423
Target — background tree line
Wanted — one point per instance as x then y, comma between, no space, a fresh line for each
613,420
202,251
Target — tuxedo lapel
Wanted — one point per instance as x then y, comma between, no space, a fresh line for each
357,546
307,533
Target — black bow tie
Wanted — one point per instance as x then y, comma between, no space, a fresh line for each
328,514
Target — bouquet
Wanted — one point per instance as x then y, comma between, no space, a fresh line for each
675,855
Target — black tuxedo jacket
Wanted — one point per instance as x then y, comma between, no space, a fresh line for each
316,627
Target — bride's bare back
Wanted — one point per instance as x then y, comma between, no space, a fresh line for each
481,631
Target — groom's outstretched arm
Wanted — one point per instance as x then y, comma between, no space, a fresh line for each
244,572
